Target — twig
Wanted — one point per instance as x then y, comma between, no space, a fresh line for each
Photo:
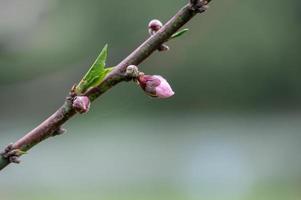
52,125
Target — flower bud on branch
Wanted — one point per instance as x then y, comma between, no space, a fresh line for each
155,86
81,104
153,27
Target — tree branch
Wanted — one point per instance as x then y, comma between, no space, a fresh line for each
52,125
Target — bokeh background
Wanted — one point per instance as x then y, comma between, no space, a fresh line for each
231,132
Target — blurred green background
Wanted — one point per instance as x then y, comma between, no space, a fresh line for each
231,132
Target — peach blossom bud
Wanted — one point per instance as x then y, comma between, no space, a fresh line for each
154,26
155,86
81,104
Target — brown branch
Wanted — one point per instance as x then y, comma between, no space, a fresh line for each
51,126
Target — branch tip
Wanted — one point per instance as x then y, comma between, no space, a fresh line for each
11,154
199,6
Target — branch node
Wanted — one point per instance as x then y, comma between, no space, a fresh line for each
199,6
59,131
11,154
163,47
72,92
71,96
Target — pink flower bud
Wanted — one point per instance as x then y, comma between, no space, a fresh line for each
81,104
155,86
154,26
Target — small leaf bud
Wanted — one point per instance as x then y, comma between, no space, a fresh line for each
163,47
132,71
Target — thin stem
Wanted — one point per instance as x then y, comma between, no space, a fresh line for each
64,113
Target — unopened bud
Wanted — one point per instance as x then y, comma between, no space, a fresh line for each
154,26
132,71
81,104
155,86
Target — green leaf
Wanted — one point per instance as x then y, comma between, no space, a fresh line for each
107,70
179,33
95,74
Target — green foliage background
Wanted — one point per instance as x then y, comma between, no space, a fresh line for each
232,131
